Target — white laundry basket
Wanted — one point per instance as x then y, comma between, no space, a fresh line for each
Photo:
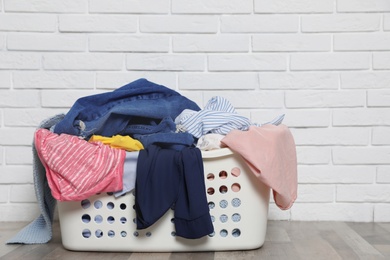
238,205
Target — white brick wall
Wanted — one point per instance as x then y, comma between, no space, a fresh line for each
324,63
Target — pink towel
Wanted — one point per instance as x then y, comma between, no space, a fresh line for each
270,153
76,169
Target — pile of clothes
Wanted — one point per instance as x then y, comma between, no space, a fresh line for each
148,138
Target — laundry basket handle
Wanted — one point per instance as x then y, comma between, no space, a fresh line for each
216,153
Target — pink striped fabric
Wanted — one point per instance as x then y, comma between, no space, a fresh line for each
76,169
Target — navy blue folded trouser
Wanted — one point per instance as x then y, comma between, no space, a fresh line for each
167,178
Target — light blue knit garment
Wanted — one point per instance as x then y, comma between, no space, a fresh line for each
40,230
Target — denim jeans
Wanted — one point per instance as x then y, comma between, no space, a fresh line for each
140,107
162,134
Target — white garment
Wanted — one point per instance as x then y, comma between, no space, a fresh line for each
210,142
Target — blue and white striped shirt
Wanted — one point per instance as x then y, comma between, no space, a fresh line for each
218,117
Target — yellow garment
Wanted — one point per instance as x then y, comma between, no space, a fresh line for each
119,141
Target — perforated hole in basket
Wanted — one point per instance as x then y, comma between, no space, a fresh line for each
99,233
223,233
86,233
236,232
123,220
236,217
223,218
236,172
223,204
236,202
111,233
110,219
98,219
223,189
236,187
223,174
229,184
86,218
98,204
110,205
85,204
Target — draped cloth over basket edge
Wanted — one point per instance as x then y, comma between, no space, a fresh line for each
40,230
270,153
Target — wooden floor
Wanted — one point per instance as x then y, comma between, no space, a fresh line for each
284,240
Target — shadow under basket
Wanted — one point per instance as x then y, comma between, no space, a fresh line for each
238,204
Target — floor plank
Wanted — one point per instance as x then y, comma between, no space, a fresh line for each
358,244
284,240
6,231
